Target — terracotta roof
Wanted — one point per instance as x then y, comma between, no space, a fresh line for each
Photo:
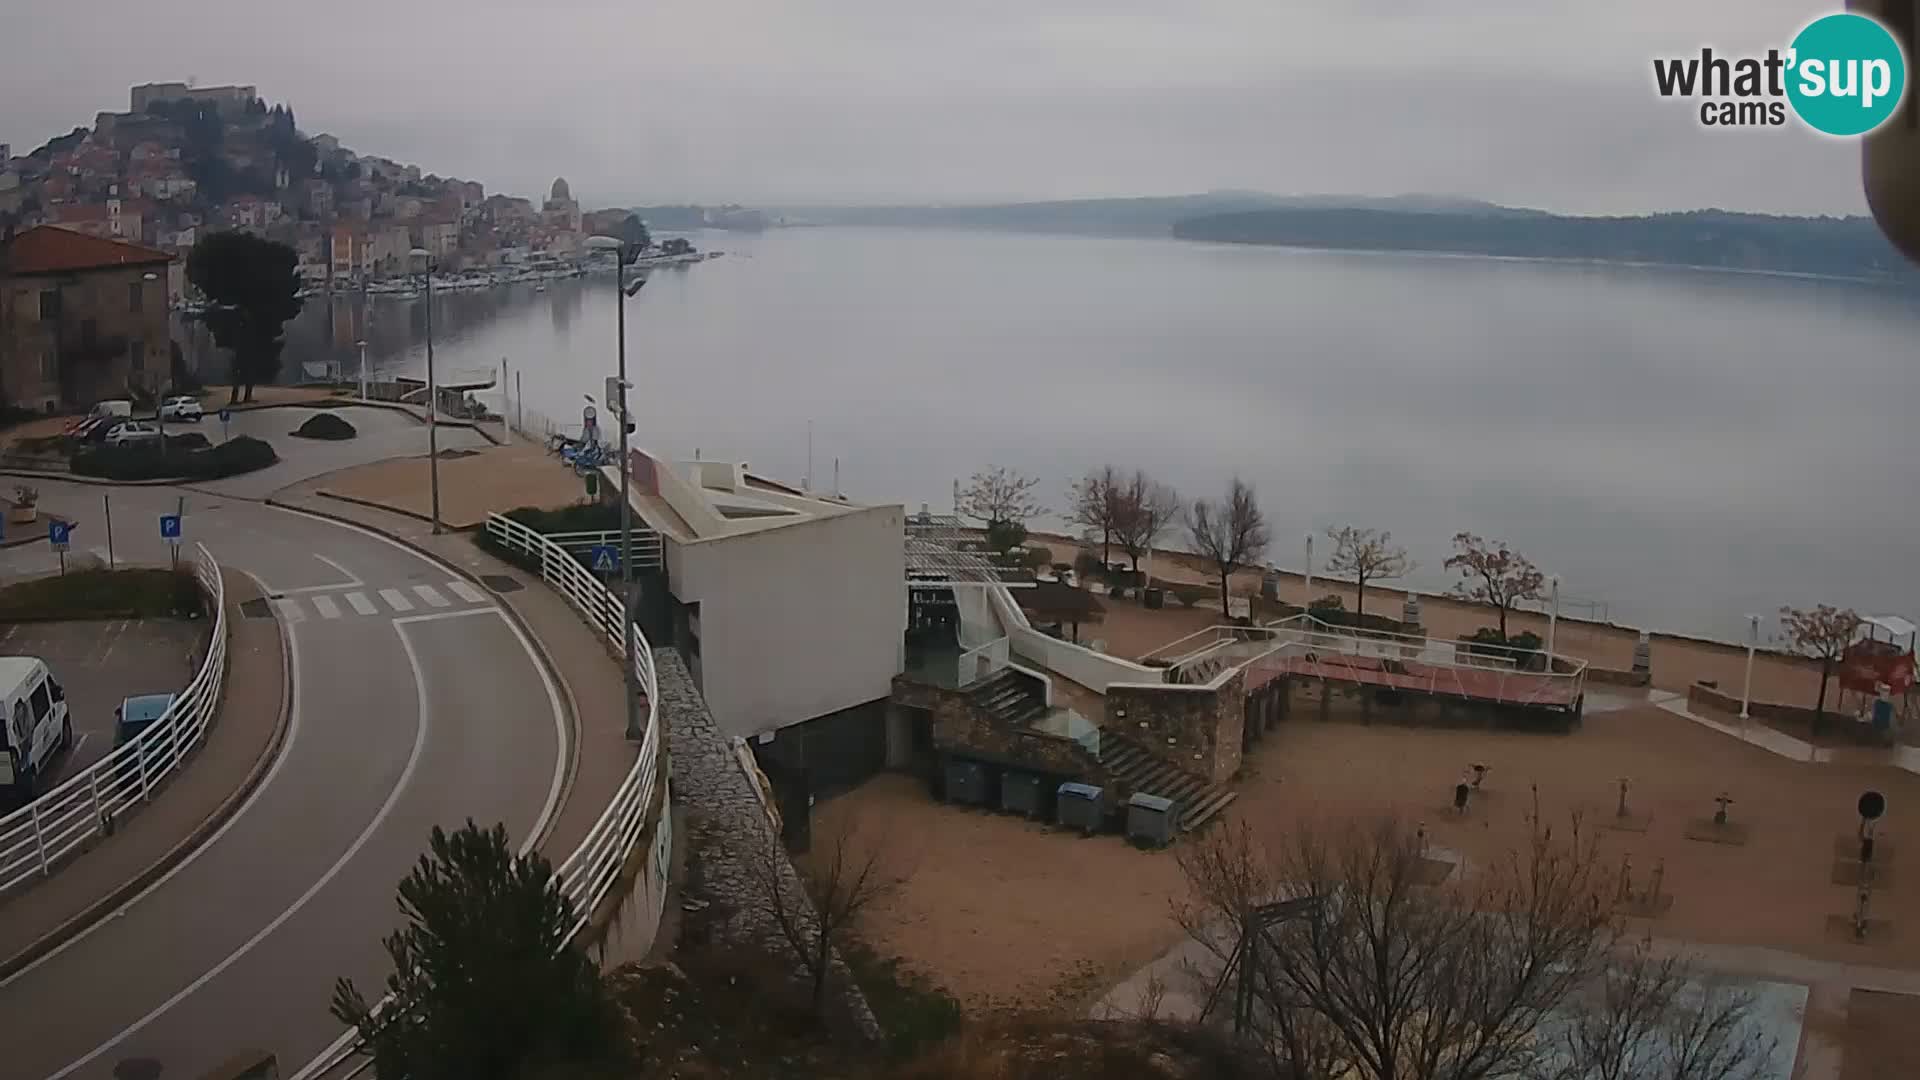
49,249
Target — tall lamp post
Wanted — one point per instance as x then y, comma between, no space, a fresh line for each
622,290
425,258
1753,641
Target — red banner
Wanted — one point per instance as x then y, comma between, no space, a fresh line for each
1867,666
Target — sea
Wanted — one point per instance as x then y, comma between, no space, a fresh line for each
1681,448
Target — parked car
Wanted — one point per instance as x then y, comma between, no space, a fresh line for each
117,408
34,726
181,408
136,714
132,432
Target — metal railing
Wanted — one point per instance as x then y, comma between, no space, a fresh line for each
982,662
34,838
647,551
588,874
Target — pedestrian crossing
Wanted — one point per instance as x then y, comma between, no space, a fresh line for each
378,602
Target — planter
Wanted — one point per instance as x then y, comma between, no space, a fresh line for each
22,515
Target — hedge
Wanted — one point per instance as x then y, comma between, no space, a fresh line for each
242,455
325,426
103,594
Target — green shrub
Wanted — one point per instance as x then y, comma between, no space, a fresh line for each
102,594
242,455
1327,603
1086,567
1038,558
325,426
1005,535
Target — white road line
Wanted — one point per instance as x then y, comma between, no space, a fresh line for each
293,735
327,608
432,596
344,572
467,592
396,599
290,610
360,604
386,808
438,615
326,1060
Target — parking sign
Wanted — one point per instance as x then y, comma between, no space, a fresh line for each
58,534
170,528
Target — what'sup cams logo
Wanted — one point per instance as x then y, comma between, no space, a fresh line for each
1843,75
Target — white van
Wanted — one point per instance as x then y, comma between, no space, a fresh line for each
116,409
34,726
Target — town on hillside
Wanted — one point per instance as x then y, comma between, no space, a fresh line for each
184,161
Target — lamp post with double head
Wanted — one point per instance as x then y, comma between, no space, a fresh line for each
424,258
622,290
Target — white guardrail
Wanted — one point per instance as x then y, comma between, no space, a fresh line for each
38,835
589,873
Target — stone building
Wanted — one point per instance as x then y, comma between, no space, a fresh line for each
81,318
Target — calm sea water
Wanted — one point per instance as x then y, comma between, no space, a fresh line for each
1684,446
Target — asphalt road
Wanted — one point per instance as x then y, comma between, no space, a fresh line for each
416,703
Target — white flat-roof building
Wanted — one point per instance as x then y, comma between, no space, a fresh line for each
788,605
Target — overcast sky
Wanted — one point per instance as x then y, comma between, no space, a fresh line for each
1544,103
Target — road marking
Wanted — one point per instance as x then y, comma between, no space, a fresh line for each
327,1060
467,592
290,610
234,957
327,608
293,735
344,572
432,596
360,604
396,599
438,615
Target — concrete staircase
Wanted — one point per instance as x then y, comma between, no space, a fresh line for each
1010,698
1127,760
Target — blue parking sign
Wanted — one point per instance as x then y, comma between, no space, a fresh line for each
58,533
605,558
170,527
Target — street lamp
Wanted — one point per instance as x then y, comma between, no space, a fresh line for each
1753,641
425,258
1553,616
623,290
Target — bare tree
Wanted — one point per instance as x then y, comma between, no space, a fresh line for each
1366,555
1494,575
1000,496
811,913
1093,501
1230,533
1514,973
1824,634
1147,510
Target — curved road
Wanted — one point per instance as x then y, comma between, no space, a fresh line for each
415,703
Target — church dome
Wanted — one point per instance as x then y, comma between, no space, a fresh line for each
560,191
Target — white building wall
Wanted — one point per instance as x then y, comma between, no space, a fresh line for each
798,621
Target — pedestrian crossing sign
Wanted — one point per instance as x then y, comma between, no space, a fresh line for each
605,559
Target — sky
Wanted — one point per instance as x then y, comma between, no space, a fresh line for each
1543,103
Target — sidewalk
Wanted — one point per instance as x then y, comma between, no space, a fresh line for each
589,676
240,745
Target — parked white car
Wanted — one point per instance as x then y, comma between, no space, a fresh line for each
131,432
181,408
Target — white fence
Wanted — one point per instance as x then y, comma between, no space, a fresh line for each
589,873
61,821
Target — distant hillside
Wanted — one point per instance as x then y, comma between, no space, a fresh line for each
1150,215
1840,247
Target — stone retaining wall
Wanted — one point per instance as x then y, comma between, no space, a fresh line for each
727,823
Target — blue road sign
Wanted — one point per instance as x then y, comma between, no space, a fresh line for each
170,527
605,558
226,415
59,532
